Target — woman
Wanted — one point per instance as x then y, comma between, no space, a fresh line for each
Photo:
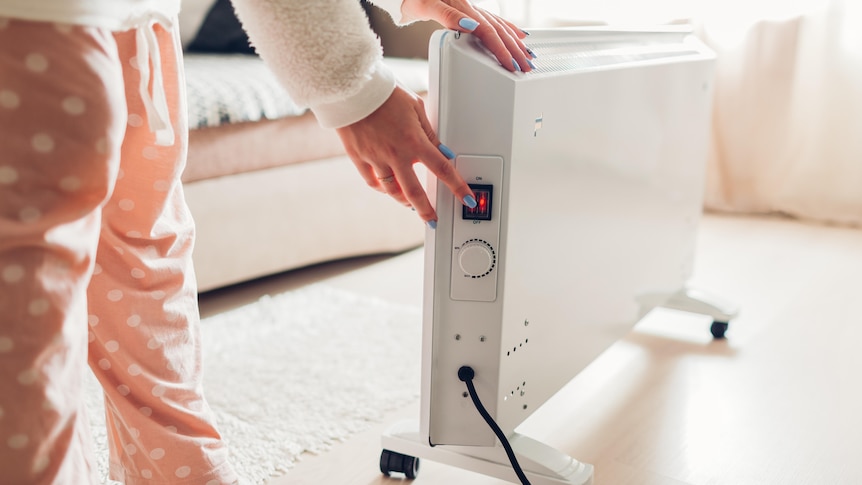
96,239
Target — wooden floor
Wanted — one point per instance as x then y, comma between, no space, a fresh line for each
778,402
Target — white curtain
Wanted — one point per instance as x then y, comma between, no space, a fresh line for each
787,123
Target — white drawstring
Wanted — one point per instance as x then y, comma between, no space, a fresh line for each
156,105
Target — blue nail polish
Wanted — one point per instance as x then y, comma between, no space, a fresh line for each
516,66
446,151
470,201
532,54
532,66
468,23
432,224
525,32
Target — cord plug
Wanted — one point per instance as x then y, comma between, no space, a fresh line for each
466,373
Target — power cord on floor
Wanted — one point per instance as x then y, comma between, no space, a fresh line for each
466,374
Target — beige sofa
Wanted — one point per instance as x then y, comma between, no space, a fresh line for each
278,192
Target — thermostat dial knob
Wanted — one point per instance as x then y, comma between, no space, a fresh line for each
477,258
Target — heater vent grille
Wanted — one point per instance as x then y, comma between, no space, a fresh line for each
565,57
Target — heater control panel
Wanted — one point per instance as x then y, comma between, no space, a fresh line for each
476,230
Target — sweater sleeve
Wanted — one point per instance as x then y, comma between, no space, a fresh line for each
323,52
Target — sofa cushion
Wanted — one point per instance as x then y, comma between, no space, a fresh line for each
237,88
233,88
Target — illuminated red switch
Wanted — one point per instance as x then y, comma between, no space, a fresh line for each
484,197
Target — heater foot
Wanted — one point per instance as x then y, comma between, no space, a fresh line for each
542,464
697,301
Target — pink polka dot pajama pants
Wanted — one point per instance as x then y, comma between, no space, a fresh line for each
95,265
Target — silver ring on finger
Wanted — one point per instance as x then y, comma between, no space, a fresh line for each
387,180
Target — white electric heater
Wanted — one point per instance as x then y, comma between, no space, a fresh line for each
589,173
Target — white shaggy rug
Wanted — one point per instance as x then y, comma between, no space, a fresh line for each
297,372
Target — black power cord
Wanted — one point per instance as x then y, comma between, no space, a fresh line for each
466,374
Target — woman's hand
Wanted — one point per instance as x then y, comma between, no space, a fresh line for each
500,36
385,145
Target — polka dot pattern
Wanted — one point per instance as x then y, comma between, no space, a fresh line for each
127,324
74,105
70,183
13,273
42,143
8,175
18,441
133,62
38,307
9,99
28,377
36,62
183,472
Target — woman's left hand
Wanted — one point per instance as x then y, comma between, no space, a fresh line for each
501,37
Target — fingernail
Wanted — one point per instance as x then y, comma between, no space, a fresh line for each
432,224
533,54
446,151
525,32
470,201
516,66
468,23
532,66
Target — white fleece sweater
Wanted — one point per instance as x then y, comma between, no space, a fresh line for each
322,51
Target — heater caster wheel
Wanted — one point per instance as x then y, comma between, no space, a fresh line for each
718,329
396,462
